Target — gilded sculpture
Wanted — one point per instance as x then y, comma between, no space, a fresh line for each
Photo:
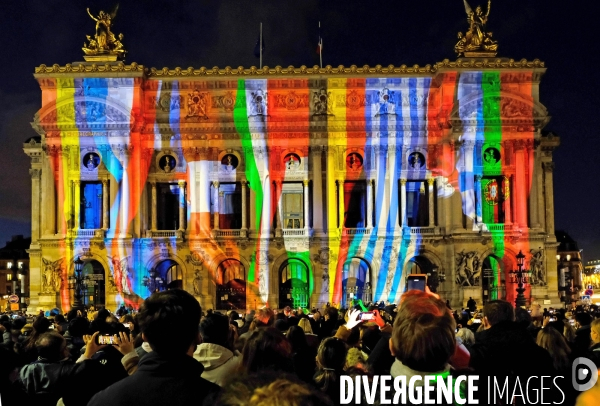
104,46
476,41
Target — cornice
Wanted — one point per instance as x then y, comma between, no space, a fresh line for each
366,70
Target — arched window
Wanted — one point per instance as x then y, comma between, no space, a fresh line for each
294,269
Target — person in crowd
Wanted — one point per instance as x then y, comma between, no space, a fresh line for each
303,355
594,352
583,339
60,324
356,359
267,350
331,360
467,337
216,354
169,375
471,305
270,388
523,317
78,327
28,352
330,322
311,338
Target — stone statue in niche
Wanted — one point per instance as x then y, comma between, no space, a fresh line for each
354,161
229,162
416,160
536,266
91,160
167,163
292,162
258,107
385,103
468,268
322,103
52,277
196,105
197,282
491,156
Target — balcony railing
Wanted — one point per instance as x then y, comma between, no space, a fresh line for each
495,227
164,234
230,233
422,230
357,231
89,233
298,232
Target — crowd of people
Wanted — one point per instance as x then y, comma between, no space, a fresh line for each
171,353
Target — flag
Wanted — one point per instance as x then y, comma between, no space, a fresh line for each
320,43
258,46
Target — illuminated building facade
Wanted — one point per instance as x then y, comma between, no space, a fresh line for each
291,186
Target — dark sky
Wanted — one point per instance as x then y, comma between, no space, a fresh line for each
211,33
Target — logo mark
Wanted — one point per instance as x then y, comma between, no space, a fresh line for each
584,374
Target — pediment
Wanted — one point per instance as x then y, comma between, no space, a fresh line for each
83,112
505,106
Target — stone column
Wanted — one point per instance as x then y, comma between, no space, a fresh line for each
431,202
341,207
403,201
76,203
549,186
181,185
478,205
279,216
520,187
265,223
370,203
217,205
221,202
317,189
35,204
306,203
539,180
105,224
48,196
244,203
534,207
154,209
507,209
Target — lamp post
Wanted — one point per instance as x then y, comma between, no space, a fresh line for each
76,283
521,278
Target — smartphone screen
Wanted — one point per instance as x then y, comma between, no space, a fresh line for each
367,316
416,282
107,339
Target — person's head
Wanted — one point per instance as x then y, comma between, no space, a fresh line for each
583,319
304,324
264,317
267,349
169,321
214,329
78,327
51,347
287,311
332,355
554,342
297,339
355,359
595,331
522,316
59,319
497,311
467,336
331,313
423,332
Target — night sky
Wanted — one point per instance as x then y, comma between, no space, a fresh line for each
173,33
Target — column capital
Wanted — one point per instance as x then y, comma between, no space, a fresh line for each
341,181
216,184
548,166
35,173
153,183
104,182
244,183
305,182
403,181
76,182
181,183
430,181
221,193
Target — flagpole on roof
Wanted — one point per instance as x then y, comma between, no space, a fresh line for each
320,46
260,45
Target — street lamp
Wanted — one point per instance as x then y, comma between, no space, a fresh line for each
76,283
521,278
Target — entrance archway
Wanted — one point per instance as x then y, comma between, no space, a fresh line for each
170,272
293,284
231,285
356,282
493,283
94,292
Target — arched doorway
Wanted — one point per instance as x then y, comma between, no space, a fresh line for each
231,285
294,284
94,284
493,281
171,274
356,282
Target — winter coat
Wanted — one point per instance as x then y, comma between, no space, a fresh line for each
159,380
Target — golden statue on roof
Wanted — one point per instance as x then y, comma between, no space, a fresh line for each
476,42
104,46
